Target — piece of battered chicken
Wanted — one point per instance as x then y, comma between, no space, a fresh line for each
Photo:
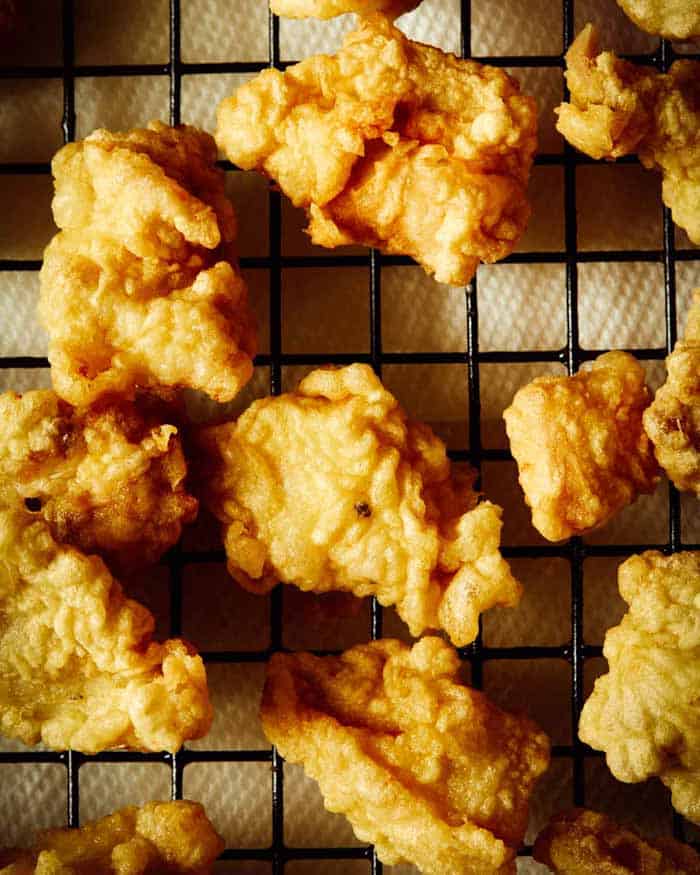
333,488
160,838
673,19
78,667
673,420
581,450
109,479
618,109
140,288
645,713
393,144
425,768
331,8
582,842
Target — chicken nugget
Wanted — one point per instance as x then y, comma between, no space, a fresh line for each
582,842
393,144
645,713
425,768
673,420
672,19
139,289
78,666
109,480
618,108
581,450
331,8
167,838
333,488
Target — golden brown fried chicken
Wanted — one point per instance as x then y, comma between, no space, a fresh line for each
78,667
333,488
645,713
581,842
109,480
393,144
331,8
162,838
422,766
139,288
618,108
673,19
673,420
581,450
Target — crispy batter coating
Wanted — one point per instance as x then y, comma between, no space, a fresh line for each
645,713
393,144
139,290
618,108
581,450
673,420
333,488
425,768
109,480
331,8
581,842
161,838
78,667
673,19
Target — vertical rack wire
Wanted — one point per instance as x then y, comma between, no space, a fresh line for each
575,651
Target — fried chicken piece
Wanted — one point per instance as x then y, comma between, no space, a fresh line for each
109,480
167,838
78,668
393,144
672,19
581,451
333,488
618,108
139,289
425,768
582,842
331,8
673,420
645,713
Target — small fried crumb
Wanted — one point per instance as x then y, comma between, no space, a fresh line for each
581,451
582,842
423,767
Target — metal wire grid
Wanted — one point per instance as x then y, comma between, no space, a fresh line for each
576,651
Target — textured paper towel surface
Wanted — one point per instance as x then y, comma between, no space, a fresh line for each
326,310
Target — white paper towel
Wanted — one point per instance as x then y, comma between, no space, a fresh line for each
326,310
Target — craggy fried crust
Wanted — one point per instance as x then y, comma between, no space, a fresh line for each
673,19
673,420
109,480
393,144
78,667
331,8
645,713
581,842
333,488
425,768
581,450
163,838
618,108
139,288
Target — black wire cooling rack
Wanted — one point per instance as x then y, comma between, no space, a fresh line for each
575,651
